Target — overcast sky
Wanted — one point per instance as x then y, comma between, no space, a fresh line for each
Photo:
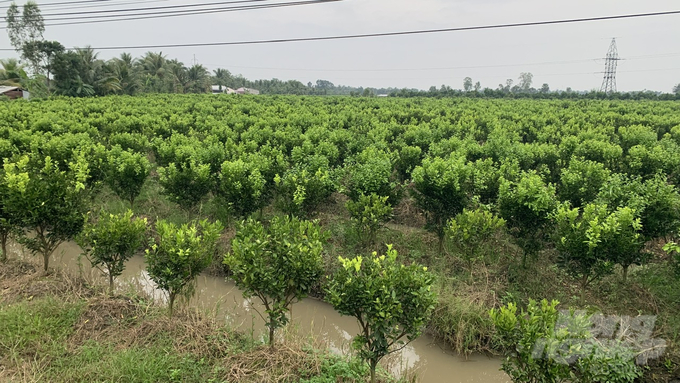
569,55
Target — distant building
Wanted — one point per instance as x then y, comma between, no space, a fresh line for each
14,92
216,89
230,91
244,90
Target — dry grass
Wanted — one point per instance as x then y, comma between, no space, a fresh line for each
285,363
408,214
125,323
24,281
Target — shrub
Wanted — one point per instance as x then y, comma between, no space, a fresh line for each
441,188
301,189
112,240
126,173
178,254
186,184
47,201
278,264
526,205
242,187
470,230
389,300
369,214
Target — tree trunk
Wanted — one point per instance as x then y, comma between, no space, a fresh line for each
625,273
46,260
132,202
3,243
171,304
271,337
584,284
110,283
373,364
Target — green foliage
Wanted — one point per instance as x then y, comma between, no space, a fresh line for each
186,184
279,264
471,229
389,300
409,158
581,181
673,250
371,173
655,201
336,369
369,213
302,188
242,187
520,333
112,240
46,200
178,254
10,221
591,240
126,173
548,346
526,205
441,188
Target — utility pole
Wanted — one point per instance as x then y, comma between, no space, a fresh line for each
611,61
194,60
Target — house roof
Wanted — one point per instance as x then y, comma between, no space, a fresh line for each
5,89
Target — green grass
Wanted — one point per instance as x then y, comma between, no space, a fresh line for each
95,362
30,328
85,336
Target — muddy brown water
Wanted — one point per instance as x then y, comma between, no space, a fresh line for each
429,359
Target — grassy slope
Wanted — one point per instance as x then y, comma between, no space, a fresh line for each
58,329
467,293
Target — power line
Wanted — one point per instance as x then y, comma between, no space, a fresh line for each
155,15
386,34
64,2
108,4
176,6
415,69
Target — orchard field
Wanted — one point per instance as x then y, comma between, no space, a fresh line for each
504,201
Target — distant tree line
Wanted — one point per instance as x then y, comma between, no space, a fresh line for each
80,73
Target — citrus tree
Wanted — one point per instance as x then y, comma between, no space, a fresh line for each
186,184
389,300
592,239
279,264
178,254
242,186
369,213
48,201
126,173
470,230
303,187
111,241
441,188
9,220
526,204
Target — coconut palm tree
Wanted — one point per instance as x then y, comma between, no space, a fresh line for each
221,77
123,68
94,72
12,73
153,70
199,79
